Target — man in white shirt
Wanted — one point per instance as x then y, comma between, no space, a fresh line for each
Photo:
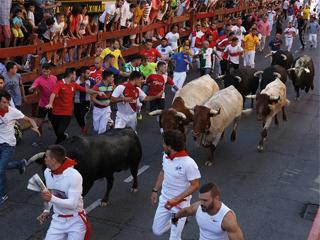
173,37
271,14
8,117
239,30
164,49
179,179
107,17
216,221
126,96
285,7
64,184
289,33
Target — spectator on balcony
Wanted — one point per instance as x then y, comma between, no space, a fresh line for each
30,16
44,84
114,49
83,23
92,30
151,53
44,6
97,69
107,17
13,83
5,32
174,37
17,27
126,21
47,37
164,49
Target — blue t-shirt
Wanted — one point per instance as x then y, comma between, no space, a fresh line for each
181,65
112,69
313,27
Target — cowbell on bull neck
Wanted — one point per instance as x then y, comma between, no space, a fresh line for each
66,164
182,153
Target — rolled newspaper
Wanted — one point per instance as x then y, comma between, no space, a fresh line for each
36,184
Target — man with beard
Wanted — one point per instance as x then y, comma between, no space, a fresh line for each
216,221
179,179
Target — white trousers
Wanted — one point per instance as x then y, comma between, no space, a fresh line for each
270,26
101,118
179,78
66,229
123,121
162,220
262,43
288,42
249,59
313,39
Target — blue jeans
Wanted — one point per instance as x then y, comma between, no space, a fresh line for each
6,153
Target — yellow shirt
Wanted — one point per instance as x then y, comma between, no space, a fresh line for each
137,15
306,13
250,42
116,53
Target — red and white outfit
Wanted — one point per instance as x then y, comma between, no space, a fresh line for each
210,225
196,38
233,53
289,34
69,220
127,112
179,169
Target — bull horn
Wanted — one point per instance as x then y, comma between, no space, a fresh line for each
291,69
181,115
35,157
306,70
274,97
239,78
276,74
251,96
284,57
191,111
268,55
257,73
214,112
155,112
220,77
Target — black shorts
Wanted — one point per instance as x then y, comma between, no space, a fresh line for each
43,112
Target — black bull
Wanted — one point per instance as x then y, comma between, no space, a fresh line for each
100,156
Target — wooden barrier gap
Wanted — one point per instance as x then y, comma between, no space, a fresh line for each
38,49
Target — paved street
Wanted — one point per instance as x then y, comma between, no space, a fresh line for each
268,191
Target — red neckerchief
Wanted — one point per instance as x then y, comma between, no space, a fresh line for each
182,153
66,164
3,111
133,92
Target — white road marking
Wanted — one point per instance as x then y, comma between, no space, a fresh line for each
93,205
141,170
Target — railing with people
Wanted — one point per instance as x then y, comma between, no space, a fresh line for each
38,49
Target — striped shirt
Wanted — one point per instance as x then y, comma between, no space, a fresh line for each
5,12
128,68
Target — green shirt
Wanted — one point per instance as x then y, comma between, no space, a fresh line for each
128,68
149,69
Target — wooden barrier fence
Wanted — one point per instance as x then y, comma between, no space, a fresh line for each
38,49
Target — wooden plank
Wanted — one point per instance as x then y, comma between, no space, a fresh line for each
31,99
180,19
205,15
152,27
17,51
29,77
119,33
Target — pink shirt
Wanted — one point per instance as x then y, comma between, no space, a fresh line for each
46,86
263,28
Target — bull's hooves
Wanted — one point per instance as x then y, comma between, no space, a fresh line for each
134,190
260,148
105,204
209,163
296,98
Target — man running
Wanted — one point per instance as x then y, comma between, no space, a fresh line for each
69,220
179,179
216,221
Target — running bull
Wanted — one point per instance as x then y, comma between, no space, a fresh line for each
244,80
270,101
101,156
270,74
282,58
196,92
302,74
211,119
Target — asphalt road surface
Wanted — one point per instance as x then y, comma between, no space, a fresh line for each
268,191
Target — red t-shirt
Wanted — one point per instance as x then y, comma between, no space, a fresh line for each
151,54
63,102
96,74
156,83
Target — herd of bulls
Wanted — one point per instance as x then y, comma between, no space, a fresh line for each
212,110
201,104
